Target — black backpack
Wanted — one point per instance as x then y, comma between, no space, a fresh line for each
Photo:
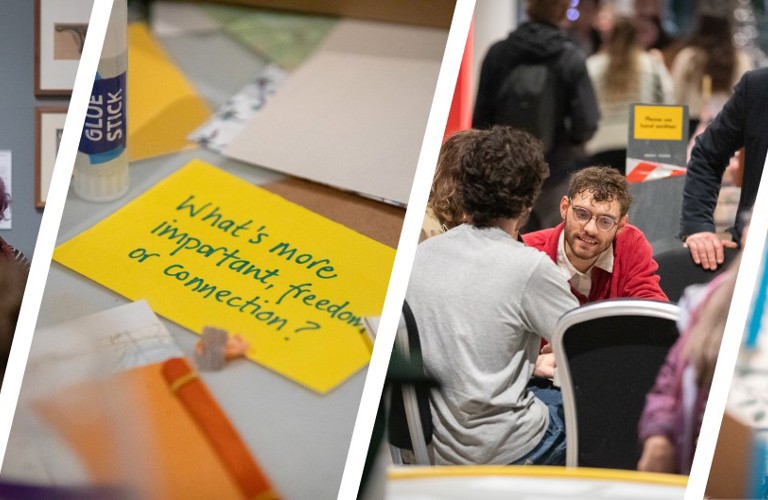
528,99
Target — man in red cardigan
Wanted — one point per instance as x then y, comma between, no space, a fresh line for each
598,251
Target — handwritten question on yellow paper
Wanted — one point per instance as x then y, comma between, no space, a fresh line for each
206,248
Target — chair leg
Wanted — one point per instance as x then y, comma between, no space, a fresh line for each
413,416
397,456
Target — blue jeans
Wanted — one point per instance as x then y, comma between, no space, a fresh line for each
551,448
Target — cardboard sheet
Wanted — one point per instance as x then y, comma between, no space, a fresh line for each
371,218
206,248
353,116
163,107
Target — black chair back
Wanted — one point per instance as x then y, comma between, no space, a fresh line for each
677,270
608,356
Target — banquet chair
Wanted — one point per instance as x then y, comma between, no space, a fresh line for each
608,355
677,270
409,418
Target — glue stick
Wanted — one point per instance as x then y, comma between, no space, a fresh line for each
101,165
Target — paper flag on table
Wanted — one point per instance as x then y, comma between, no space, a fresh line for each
206,248
163,107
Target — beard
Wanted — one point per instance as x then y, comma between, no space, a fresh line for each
584,245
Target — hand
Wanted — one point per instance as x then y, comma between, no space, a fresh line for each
545,365
707,249
658,455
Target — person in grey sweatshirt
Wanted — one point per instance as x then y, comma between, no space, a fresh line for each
482,301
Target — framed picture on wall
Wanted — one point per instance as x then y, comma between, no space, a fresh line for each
49,125
60,29
5,176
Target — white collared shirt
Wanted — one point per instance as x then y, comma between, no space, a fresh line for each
582,282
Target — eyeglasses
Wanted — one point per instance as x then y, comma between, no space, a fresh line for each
603,222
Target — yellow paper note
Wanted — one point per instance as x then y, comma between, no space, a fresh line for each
163,107
206,248
664,123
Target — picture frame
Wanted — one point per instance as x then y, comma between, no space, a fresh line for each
49,126
60,29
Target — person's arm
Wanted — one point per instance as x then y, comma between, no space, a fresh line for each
744,63
545,363
707,249
582,109
665,80
640,279
658,455
487,85
547,296
709,158
677,73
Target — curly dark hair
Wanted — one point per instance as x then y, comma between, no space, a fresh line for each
501,174
445,197
604,184
5,200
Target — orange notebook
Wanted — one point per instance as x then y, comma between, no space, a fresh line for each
156,429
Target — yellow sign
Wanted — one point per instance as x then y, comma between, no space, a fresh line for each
206,248
660,123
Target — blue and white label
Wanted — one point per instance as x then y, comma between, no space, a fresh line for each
104,132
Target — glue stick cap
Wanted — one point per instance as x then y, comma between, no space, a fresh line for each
102,184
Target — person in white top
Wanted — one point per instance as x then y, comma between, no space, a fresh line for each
708,66
621,74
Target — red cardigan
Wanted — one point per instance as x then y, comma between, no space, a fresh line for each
634,270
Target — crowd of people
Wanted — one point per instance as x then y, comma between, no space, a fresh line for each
528,219
598,65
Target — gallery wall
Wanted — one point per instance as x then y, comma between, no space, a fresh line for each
17,119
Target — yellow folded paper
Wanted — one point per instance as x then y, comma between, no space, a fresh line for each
163,107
